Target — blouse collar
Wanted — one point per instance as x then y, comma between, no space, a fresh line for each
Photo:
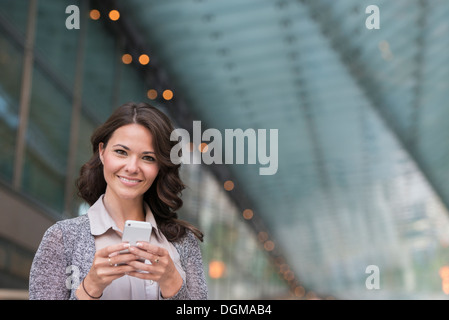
101,221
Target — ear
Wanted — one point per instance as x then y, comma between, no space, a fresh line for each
101,151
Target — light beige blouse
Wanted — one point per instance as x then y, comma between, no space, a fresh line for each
104,229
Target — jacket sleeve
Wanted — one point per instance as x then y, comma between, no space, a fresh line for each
48,271
194,287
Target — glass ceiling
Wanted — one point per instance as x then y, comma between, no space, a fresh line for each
362,122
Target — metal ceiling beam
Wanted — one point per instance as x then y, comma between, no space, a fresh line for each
416,112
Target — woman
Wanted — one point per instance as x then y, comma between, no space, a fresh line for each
129,177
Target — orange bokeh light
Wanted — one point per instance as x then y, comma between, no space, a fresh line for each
216,269
114,15
94,14
167,94
300,291
444,274
152,94
269,245
228,185
144,59
248,214
203,147
127,58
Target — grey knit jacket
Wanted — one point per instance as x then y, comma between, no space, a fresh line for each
66,253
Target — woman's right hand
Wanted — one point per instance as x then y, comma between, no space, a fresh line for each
109,264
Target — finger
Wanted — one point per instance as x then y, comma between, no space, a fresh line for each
124,258
143,275
119,270
151,248
107,274
112,249
145,265
154,258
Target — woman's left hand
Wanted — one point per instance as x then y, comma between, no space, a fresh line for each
162,269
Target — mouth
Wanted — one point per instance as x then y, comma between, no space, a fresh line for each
129,181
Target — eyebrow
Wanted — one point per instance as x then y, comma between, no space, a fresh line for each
126,148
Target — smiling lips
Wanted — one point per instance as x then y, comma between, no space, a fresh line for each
128,181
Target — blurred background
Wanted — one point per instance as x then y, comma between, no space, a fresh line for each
358,208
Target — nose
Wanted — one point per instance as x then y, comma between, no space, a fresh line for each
132,165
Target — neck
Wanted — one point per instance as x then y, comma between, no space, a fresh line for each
121,210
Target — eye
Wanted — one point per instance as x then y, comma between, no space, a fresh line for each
149,158
120,152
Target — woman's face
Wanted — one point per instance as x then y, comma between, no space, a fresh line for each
129,162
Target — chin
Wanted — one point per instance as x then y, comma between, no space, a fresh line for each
130,195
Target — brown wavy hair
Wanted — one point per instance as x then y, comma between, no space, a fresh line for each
163,196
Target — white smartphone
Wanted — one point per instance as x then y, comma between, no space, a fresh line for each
135,231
